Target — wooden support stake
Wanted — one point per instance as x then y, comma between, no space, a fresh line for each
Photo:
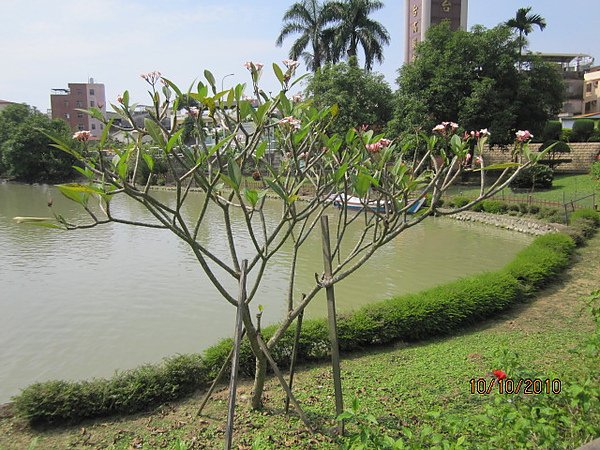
294,355
332,319
235,363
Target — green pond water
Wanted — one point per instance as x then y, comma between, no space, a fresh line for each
85,303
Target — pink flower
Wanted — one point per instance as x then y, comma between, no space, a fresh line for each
468,157
297,98
194,112
82,136
290,63
439,128
151,77
291,121
523,135
377,146
252,66
484,132
445,127
479,160
120,98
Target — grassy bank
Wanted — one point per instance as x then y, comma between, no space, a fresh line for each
423,387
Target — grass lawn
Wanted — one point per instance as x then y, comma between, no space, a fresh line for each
421,387
564,188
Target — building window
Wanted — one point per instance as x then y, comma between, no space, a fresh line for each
588,87
101,127
91,92
79,103
92,103
80,115
66,104
93,126
67,116
80,127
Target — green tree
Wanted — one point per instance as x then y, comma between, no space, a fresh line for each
363,98
523,23
309,19
26,152
472,78
358,29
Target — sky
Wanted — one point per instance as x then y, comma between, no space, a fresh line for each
47,44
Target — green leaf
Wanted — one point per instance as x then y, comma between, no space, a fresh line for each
498,166
261,149
362,184
149,161
38,222
235,173
340,172
279,73
173,86
301,134
173,140
276,188
74,194
86,172
228,181
252,196
210,78
155,132
350,135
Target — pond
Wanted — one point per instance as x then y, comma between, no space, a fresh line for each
85,303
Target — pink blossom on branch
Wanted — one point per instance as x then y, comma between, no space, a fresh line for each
291,121
120,98
377,146
290,63
252,66
445,128
151,77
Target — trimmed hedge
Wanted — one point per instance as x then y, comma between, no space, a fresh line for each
437,311
582,130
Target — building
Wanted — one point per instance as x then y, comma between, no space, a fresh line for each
591,91
65,104
421,14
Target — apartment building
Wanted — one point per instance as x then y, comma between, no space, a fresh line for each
65,104
591,91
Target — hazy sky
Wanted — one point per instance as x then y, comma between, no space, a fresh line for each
46,44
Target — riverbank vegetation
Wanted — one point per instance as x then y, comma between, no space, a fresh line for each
416,392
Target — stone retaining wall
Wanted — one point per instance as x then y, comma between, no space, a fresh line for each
583,154
521,224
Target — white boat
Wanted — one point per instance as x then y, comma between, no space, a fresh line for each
355,203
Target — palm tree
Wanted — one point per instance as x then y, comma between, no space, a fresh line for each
309,18
357,28
523,22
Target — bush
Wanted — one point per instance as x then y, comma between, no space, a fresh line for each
586,214
565,135
514,207
524,208
437,311
459,201
494,207
533,209
595,136
552,130
538,176
595,171
582,130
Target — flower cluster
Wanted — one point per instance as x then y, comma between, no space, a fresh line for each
445,128
476,134
290,64
523,135
253,67
297,98
151,77
82,136
377,146
194,112
291,121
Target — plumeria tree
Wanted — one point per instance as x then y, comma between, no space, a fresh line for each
386,178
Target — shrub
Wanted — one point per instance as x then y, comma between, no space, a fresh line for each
552,130
539,263
565,134
595,171
514,207
437,311
586,214
459,201
533,209
524,208
538,176
582,130
595,136
494,207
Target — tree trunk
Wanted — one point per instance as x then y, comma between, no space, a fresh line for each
259,381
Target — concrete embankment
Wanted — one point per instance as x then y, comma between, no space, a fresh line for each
521,224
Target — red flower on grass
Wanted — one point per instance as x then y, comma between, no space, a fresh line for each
499,374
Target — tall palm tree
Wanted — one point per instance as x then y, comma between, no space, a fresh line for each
358,29
523,22
309,18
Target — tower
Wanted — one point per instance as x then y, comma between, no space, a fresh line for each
421,14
